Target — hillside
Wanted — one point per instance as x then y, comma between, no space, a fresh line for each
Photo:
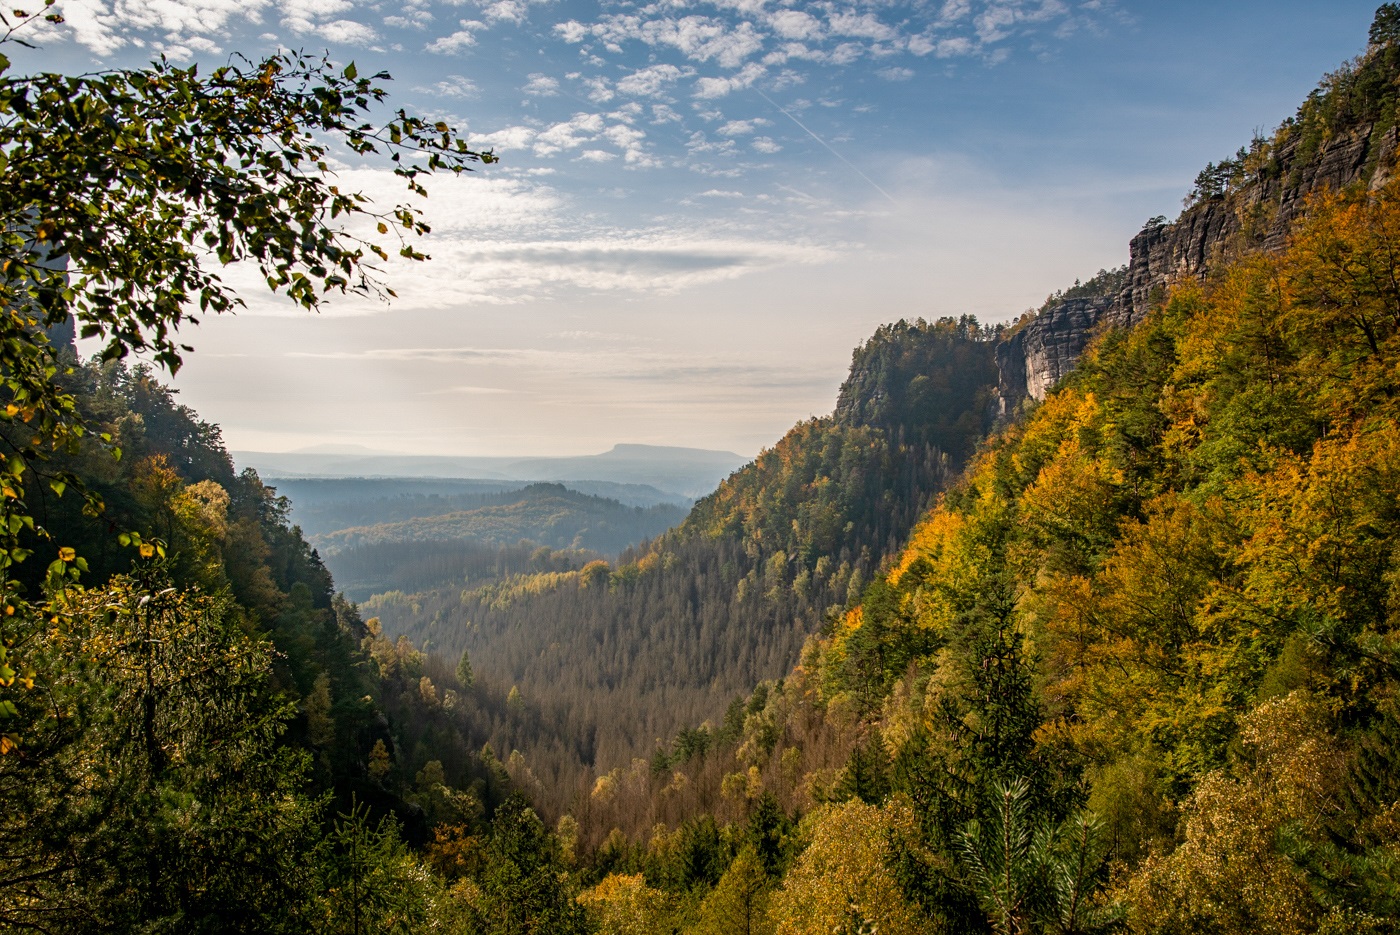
1136,671
322,505
672,633
193,717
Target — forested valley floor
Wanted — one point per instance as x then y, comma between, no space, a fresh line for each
1125,659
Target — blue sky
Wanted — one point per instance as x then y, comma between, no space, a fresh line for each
702,207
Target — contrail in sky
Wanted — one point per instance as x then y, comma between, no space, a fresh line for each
829,148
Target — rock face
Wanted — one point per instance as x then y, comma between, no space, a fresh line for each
1036,357
1258,215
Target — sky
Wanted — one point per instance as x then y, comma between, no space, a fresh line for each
703,206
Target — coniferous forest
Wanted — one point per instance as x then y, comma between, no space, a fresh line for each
1124,659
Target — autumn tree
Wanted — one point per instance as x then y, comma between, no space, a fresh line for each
841,883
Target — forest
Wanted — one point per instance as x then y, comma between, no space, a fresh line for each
1124,660
676,629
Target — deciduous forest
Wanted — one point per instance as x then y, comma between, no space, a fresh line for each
1121,660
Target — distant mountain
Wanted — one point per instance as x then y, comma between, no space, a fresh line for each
322,505
545,514
687,472
333,449
691,471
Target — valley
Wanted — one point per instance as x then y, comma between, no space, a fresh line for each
1086,622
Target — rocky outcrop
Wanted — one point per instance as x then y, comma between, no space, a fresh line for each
1258,215
1036,357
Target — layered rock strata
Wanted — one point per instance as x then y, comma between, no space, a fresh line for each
1257,215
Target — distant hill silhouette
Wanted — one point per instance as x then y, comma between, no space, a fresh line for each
687,472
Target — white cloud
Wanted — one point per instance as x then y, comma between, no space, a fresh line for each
513,11
953,11
511,138
572,31
863,26
845,53
764,144
645,262
104,27
455,86
457,41
698,143
742,127
795,24
711,88
409,19
185,49
346,32
541,85
950,48
627,113
698,38
598,90
650,81
623,137
920,45
498,241
597,155
322,18
569,134
992,23
758,34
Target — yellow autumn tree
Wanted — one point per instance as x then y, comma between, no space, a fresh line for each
623,904
841,883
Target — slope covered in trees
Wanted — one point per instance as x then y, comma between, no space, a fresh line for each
195,734
620,656
1138,669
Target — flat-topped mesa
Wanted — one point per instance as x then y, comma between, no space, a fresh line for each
1346,133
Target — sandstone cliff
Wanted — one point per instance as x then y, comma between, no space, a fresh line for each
1255,210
